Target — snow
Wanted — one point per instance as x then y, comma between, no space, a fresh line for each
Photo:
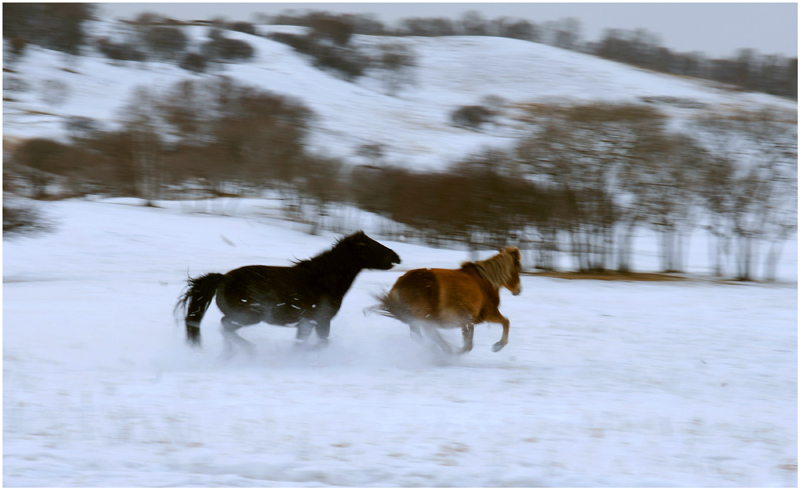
603,384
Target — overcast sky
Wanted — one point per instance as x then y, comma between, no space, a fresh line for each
716,29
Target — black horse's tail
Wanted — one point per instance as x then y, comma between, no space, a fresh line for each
198,296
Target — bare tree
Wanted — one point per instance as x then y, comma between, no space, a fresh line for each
167,43
563,33
588,153
473,23
396,63
38,163
144,127
666,185
417,26
320,182
756,155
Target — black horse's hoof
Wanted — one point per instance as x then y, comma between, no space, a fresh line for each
496,347
300,345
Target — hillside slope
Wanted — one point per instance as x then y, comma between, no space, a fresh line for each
414,126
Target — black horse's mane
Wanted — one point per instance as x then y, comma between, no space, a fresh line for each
332,256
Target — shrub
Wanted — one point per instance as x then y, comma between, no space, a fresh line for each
55,92
195,62
15,84
56,26
301,44
471,116
40,162
17,45
22,219
224,49
165,42
337,31
81,128
245,27
350,63
427,27
119,51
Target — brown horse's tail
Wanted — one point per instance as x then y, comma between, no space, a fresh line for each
198,296
390,305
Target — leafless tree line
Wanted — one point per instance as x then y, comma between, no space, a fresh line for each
61,27
215,133
748,70
588,177
584,180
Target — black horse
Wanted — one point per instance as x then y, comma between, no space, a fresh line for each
307,294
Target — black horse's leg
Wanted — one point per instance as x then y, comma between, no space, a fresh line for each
323,329
467,331
229,328
321,325
304,328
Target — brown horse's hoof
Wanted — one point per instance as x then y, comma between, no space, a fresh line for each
496,347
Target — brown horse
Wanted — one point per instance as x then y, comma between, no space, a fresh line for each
447,298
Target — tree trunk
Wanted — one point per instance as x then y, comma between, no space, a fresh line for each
624,249
771,262
744,260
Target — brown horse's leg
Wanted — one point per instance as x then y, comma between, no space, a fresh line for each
496,317
434,334
467,331
504,339
415,333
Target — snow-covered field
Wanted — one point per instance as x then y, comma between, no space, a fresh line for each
674,384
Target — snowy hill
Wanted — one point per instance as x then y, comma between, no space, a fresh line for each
414,125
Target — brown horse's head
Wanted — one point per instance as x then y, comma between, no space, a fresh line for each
513,283
502,270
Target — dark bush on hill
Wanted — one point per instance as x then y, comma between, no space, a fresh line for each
245,27
224,49
195,62
165,42
471,116
120,51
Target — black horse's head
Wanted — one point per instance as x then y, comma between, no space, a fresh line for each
373,255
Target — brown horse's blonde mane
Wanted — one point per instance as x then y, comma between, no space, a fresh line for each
499,269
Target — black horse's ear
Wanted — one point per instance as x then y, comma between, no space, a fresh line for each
359,238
